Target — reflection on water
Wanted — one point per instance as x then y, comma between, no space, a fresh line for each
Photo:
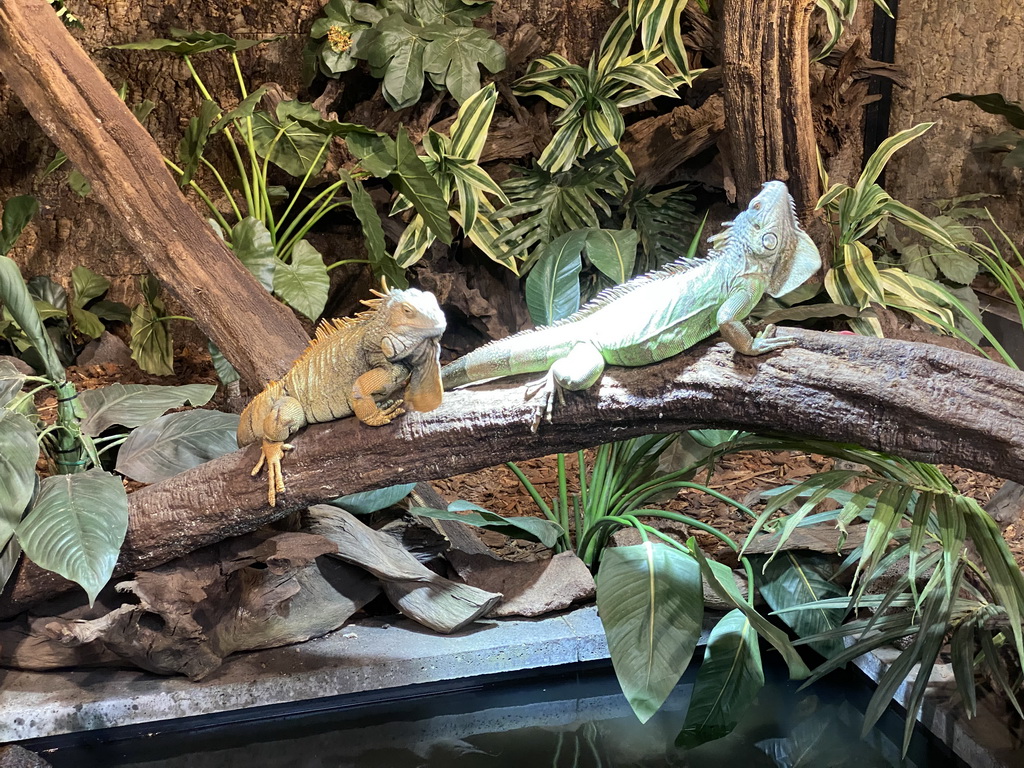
561,720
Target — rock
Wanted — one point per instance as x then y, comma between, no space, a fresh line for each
529,588
108,348
19,365
1007,506
13,756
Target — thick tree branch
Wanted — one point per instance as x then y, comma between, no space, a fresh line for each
76,107
915,400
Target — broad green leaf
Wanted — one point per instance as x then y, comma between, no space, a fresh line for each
801,578
412,179
19,452
87,323
18,303
957,266
174,442
11,382
370,501
719,578
151,344
87,285
303,282
613,252
244,109
373,233
225,371
289,139
394,49
252,244
651,603
994,104
530,528
376,152
18,212
193,143
728,680
455,55
131,405
76,526
469,131
553,285
873,167
185,43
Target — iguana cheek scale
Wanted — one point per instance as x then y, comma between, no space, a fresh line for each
660,314
352,366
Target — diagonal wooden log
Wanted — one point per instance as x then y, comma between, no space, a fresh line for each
76,107
915,400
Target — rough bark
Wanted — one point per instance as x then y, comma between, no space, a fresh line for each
934,39
75,105
767,90
915,400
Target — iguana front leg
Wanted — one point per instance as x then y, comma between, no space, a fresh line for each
283,418
730,325
578,370
375,383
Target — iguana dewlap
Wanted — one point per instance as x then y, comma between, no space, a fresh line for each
353,366
657,315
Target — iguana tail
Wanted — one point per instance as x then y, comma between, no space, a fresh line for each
530,351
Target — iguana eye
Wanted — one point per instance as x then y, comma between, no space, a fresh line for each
769,240
407,309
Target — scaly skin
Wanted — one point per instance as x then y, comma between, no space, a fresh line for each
658,315
353,366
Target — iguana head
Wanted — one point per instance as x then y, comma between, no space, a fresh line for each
771,237
414,324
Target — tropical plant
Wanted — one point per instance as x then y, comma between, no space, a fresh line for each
74,521
855,279
295,138
592,98
839,13
1010,144
453,161
64,14
405,41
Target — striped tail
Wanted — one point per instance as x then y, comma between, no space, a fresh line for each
530,351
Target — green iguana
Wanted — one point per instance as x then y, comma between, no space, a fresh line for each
659,314
353,366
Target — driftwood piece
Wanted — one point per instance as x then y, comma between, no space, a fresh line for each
259,591
79,110
424,596
914,400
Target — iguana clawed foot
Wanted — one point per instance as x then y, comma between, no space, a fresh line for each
767,341
545,388
382,413
271,454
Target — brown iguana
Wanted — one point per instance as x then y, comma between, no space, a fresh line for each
353,366
659,314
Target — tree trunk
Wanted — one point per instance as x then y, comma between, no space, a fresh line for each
920,401
767,90
73,103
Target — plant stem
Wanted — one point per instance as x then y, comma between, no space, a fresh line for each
223,186
202,195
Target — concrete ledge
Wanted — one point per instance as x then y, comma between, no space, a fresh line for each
369,655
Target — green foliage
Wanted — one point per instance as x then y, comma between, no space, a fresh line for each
1008,143
151,344
855,279
838,13
651,604
592,97
530,528
75,527
131,405
64,14
370,501
662,220
172,443
405,42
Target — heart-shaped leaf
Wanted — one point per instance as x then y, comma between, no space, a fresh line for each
289,139
303,283
19,452
175,442
76,526
18,212
553,285
252,244
87,285
131,405
651,603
